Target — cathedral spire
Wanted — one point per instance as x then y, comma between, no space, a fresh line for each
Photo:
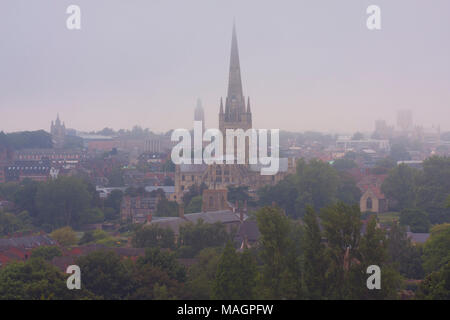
235,92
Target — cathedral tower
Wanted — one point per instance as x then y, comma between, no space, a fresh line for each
235,114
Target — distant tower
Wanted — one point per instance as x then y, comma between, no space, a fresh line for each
58,132
235,115
199,114
405,120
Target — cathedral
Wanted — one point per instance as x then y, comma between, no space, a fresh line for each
58,132
234,114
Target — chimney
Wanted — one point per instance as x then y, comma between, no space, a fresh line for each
273,204
149,218
236,206
181,211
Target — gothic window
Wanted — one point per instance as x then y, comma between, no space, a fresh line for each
369,203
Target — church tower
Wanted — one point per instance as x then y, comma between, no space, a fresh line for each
58,132
199,114
235,114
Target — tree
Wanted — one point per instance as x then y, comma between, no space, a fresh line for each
373,250
64,236
36,279
436,286
11,223
46,252
399,152
400,185
347,191
195,237
166,208
29,139
344,164
164,260
403,254
342,229
238,193
314,184
434,184
383,166
276,252
153,236
358,136
315,259
416,219
93,215
114,200
62,202
193,191
25,196
94,236
283,194
115,177
106,275
436,251
317,185
235,277
202,275
195,205
153,283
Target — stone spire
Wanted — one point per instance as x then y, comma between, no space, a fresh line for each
234,113
235,99
199,114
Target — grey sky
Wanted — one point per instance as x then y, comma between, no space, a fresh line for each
306,65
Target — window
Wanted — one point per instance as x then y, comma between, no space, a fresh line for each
369,203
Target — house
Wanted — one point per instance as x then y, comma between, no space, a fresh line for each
230,219
19,248
36,170
137,209
373,200
248,235
417,238
6,205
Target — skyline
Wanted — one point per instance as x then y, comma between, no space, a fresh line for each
105,75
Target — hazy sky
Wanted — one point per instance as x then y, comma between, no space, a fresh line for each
306,65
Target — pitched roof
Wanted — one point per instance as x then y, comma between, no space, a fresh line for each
174,223
418,237
27,242
249,229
